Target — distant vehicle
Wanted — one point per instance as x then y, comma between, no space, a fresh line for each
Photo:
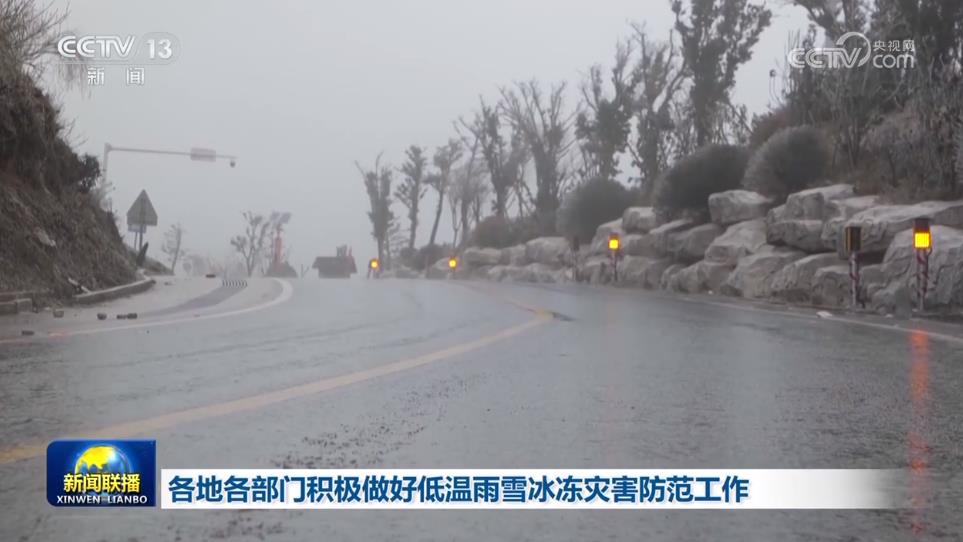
340,266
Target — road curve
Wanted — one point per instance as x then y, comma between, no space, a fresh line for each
476,375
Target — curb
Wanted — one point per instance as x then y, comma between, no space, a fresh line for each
15,306
113,293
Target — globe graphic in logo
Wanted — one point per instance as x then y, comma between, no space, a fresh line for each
102,459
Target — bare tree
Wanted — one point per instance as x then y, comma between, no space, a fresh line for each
412,189
603,123
377,182
661,73
486,130
445,158
717,37
173,238
545,128
251,245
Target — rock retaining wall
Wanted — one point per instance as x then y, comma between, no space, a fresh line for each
790,253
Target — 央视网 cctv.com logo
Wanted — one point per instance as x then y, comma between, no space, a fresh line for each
854,50
156,48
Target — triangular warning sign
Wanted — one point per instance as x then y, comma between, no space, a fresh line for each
142,212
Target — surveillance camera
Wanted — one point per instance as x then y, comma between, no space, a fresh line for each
233,163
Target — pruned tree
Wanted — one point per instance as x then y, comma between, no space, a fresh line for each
377,183
173,239
603,123
717,37
661,73
445,159
250,245
545,127
467,186
412,188
836,17
486,130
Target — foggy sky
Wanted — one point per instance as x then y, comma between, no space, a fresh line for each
300,90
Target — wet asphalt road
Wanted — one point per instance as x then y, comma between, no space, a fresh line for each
620,379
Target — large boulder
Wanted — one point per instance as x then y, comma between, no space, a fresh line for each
895,298
752,275
832,287
554,251
632,270
439,269
690,245
479,257
739,240
665,283
879,225
945,265
597,269
654,272
799,223
837,213
539,272
700,277
639,244
600,243
872,278
733,206
811,204
794,282
639,220
803,234
513,256
663,237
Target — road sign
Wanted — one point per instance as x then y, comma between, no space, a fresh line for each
142,212
203,155
137,228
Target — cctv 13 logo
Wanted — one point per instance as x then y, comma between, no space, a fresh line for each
101,472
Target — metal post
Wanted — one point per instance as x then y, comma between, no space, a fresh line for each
854,278
922,277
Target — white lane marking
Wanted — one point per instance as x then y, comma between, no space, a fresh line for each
286,292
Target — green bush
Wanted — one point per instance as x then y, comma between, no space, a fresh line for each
591,204
422,258
499,232
791,160
768,124
686,186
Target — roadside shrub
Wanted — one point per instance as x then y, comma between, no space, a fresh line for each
591,204
499,232
420,259
768,124
493,232
686,186
792,159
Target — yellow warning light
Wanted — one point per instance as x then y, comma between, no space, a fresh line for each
922,240
614,242
452,262
373,264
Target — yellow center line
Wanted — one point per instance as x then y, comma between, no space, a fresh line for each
253,402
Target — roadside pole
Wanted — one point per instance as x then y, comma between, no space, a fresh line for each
853,244
923,244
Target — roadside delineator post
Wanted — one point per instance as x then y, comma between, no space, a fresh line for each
615,249
373,266
452,265
923,243
853,243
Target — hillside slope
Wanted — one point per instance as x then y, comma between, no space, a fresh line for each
49,238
